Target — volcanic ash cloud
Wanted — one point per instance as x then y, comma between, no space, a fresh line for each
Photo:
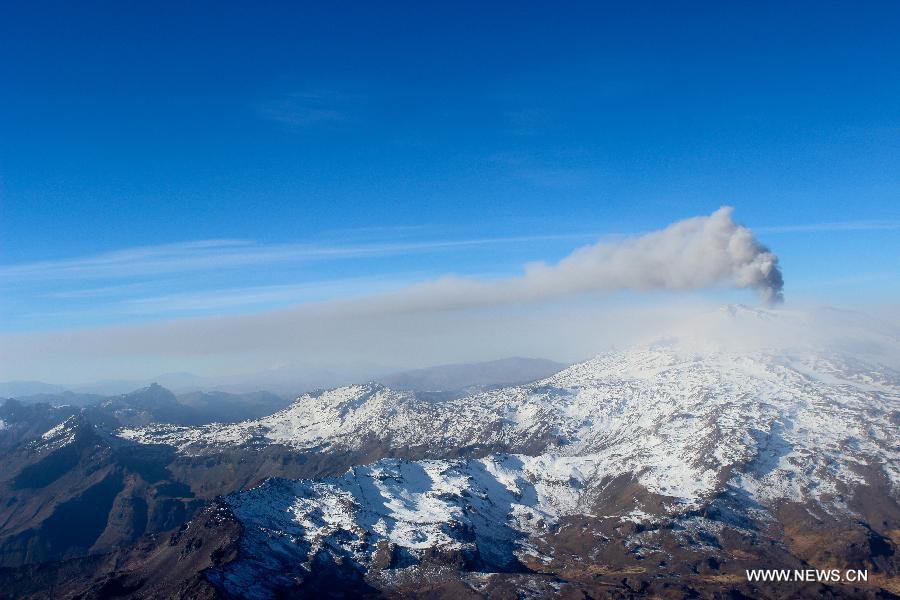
696,253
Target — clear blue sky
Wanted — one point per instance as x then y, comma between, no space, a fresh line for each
353,141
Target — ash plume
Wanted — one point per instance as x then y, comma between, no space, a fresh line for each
696,253
418,325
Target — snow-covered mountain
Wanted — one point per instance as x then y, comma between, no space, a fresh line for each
678,418
739,413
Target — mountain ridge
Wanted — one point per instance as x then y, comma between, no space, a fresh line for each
665,469
690,442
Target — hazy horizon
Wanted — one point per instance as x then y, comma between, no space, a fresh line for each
198,201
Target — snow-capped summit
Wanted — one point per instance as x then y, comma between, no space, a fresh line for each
66,432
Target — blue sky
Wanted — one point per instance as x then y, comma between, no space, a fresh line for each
306,151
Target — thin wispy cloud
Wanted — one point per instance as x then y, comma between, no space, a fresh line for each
529,121
557,173
832,226
207,255
222,299
105,291
307,109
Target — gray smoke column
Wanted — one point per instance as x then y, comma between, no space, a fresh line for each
696,253
692,254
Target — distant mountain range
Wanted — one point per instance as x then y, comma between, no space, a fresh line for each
290,381
472,376
156,404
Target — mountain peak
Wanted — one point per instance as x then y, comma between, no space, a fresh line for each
153,394
152,388
75,428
